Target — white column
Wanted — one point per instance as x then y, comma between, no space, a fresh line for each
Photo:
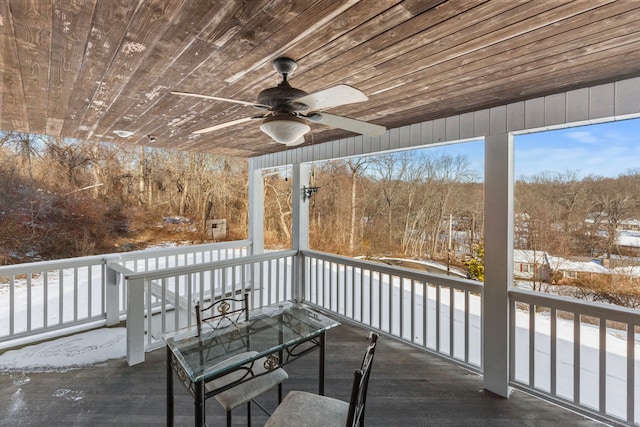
112,295
498,261
300,224
135,321
256,210
256,231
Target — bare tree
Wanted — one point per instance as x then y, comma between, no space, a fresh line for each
356,167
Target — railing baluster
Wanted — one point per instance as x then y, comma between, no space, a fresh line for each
278,280
353,292
344,289
380,300
425,314
28,302
61,297
553,336
326,283
163,306
12,305
532,344
45,300
602,364
631,372
451,322
576,357
467,311
149,310
90,291
438,316
75,294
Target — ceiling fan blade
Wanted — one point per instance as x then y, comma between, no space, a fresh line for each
227,124
332,97
352,125
215,98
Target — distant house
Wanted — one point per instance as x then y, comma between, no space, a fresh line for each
530,265
538,265
566,272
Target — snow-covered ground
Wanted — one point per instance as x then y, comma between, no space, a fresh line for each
72,352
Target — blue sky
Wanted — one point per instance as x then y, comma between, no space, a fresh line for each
606,149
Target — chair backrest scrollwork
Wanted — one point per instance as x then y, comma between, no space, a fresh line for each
222,312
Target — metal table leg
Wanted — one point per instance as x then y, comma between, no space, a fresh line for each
169,389
199,403
323,341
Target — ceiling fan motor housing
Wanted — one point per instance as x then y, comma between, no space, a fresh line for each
280,98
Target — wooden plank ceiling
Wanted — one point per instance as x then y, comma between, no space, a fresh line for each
85,68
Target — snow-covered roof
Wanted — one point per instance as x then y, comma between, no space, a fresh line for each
557,263
528,256
628,238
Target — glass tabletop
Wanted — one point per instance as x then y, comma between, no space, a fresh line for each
221,349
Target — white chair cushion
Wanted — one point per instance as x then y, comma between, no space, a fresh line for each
249,390
300,408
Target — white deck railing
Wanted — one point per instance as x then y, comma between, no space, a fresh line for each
161,301
581,355
40,299
441,314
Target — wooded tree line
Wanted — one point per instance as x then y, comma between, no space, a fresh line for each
400,203
563,214
67,198
414,204
64,198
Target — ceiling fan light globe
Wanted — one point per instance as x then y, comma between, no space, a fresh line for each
285,130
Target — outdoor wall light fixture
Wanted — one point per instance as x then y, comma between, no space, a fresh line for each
308,192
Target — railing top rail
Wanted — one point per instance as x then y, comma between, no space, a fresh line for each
39,266
179,250
196,268
570,305
436,279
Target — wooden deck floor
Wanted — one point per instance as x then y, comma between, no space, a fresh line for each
408,388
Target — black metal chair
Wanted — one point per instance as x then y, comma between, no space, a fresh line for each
300,408
227,312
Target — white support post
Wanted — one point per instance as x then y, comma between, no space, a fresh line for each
135,321
300,224
256,228
498,261
112,294
256,211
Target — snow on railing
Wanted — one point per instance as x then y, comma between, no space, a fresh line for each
441,314
581,355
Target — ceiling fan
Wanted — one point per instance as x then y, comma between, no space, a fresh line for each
288,110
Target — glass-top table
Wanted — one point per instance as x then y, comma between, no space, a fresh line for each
281,332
